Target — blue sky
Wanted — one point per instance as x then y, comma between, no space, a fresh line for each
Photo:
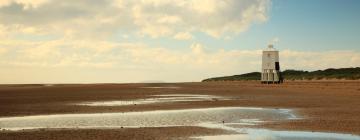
305,25
316,25
49,41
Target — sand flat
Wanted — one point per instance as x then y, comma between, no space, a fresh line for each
327,106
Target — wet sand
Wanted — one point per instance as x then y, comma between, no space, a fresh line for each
158,133
327,106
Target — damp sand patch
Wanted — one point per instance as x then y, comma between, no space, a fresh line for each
164,118
165,87
165,98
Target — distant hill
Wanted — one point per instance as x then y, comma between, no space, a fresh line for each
342,73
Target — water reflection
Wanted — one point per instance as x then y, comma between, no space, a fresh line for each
167,98
234,119
263,134
187,117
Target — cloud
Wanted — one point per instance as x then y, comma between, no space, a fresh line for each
26,4
304,60
212,17
183,36
55,53
3,51
139,61
63,53
155,18
49,32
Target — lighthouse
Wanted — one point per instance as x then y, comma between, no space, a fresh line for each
270,73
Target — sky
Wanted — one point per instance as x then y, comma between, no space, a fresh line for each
127,41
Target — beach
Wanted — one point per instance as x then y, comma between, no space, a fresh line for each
319,106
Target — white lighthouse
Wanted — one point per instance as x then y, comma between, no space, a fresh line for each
270,66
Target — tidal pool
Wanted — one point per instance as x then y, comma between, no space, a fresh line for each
165,98
245,133
263,134
186,117
234,119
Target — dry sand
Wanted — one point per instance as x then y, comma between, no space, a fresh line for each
327,106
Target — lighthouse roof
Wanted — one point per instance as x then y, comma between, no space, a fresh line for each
270,48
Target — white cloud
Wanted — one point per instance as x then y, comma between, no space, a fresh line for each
154,18
319,60
3,51
142,62
197,48
3,31
183,36
40,52
86,51
210,16
55,53
206,6
27,4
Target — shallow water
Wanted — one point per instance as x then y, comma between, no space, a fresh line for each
262,134
187,117
234,119
168,98
265,134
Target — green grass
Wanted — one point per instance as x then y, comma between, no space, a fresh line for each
342,73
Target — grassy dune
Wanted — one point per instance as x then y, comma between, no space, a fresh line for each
341,74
